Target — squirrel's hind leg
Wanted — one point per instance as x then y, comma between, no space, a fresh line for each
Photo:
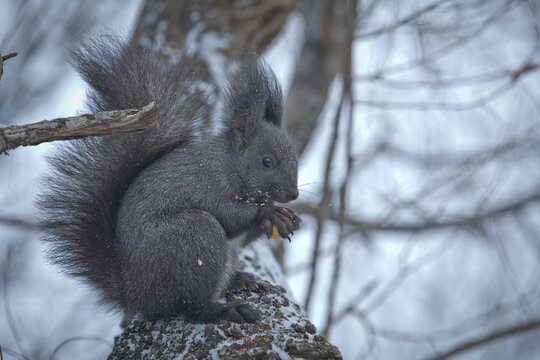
186,272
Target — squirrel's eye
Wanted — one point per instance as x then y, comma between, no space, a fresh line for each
267,161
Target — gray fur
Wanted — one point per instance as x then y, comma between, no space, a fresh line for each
154,219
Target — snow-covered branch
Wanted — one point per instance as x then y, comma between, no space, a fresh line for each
283,332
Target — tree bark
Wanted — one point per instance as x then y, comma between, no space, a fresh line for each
324,50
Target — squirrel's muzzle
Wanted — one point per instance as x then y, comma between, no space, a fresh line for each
292,194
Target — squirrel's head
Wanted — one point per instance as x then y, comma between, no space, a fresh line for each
263,154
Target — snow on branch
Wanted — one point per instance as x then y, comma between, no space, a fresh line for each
283,332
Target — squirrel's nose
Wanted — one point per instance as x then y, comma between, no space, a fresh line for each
293,194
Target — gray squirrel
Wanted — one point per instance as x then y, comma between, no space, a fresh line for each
154,219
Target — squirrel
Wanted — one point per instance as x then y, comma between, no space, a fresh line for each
154,219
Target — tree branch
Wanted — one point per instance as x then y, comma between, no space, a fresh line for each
102,123
19,223
283,332
346,71
323,53
401,22
4,58
364,226
513,330
323,211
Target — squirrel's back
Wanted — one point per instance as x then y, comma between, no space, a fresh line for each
81,196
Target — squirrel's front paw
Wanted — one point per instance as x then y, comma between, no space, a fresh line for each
279,219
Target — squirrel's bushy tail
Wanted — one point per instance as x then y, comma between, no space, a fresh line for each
80,198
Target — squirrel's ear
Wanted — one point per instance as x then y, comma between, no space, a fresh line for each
252,96
241,120
239,138
273,104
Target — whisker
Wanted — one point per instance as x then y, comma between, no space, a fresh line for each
310,192
311,183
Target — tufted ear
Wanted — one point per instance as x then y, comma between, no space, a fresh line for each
273,109
251,97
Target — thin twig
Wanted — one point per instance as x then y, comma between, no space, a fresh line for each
4,58
448,48
7,307
323,209
15,222
497,335
13,353
9,56
365,226
78,338
446,106
346,71
398,23
469,323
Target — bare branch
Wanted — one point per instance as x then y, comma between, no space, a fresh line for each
477,79
346,71
323,211
406,20
4,58
102,123
447,106
80,338
364,292
23,224
7,307
382,291
323,52
9,56
446,49
365,226
497,335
